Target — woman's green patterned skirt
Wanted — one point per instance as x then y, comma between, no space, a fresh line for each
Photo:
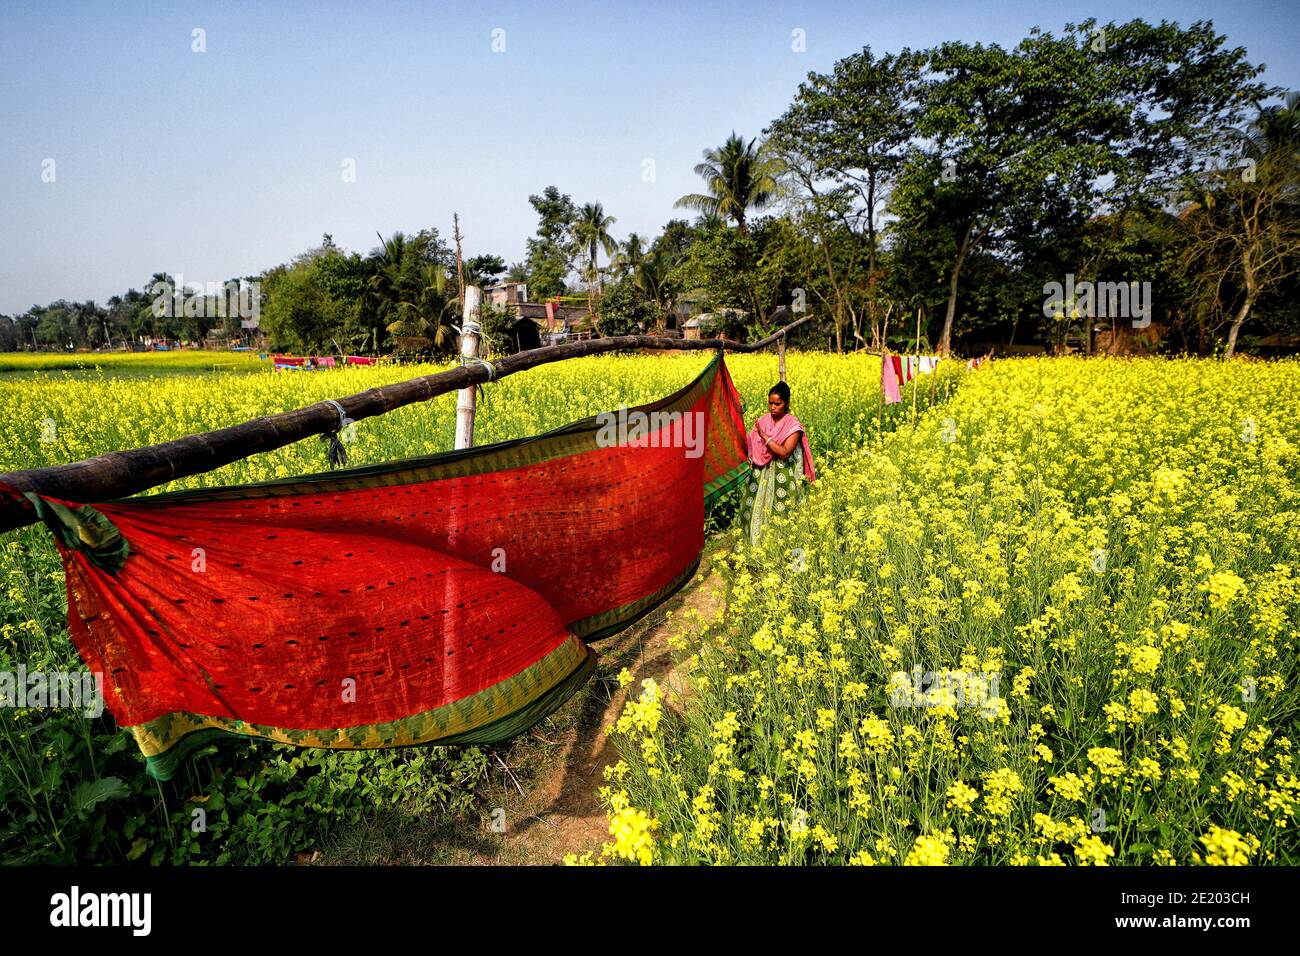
774,489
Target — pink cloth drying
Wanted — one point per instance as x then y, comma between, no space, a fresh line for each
889,379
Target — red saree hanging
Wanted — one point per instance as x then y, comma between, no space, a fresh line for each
446,599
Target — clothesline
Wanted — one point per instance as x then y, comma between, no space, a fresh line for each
898,370
299,363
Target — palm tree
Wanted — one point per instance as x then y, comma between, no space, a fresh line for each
385,285
591,230
592,233
738,176
436,311
408,294
1275,130
629,256
651,278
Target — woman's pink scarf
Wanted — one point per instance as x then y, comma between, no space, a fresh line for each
780,431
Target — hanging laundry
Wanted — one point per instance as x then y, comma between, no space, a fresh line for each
889,366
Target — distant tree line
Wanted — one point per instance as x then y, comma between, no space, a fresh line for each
983,192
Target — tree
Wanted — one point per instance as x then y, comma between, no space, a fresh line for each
1245,228
624,309
675,239
483,270
591,230
1014,141
650,270
842,144
739,176
628,256
125,313
718,265
10,340
299,313
591,233
653,276
551,251
747,272
408,289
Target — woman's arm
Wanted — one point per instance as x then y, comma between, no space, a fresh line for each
784,449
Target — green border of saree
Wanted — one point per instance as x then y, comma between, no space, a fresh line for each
167,740
494,714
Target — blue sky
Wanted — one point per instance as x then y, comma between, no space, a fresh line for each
223,163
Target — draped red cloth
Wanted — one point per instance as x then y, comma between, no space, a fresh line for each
446,599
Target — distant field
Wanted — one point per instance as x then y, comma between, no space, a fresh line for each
66,416
131,363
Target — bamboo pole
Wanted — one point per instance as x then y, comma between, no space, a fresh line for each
918,355
780,351
460,267
469,339
121,473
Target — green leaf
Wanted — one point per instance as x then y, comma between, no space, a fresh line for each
87,795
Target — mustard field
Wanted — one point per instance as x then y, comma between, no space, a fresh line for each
1050,617
1054,624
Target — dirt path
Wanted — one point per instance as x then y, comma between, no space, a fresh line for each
560,811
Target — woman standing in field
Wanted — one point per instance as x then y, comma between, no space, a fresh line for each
780,460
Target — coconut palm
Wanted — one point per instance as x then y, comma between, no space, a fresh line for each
592,232
652,278
1275,129
385,287
629,256
409,294
738,176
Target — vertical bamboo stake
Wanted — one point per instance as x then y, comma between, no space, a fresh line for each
880,415
460,267
469,337
918,353
780,351
934,378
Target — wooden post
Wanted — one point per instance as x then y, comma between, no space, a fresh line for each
916,387
460,267
469,338
780,351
